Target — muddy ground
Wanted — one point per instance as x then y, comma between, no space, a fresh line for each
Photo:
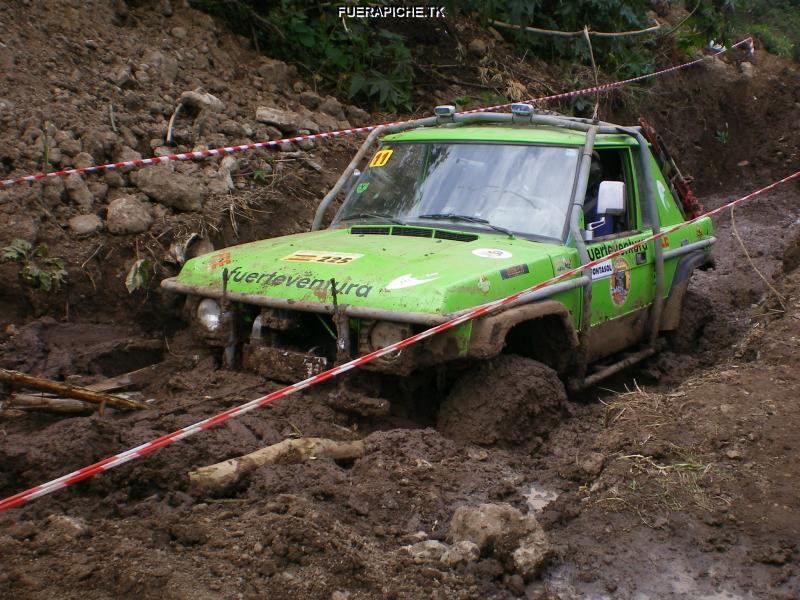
676,479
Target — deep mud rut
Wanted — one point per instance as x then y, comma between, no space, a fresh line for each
675,490
676,479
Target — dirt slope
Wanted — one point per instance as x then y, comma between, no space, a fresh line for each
683,487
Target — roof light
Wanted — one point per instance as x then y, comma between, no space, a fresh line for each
522,109
444,110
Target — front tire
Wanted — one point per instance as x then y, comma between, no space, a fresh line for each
508,400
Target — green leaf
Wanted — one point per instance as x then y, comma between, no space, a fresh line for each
139,275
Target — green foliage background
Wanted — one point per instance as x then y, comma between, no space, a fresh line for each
370,62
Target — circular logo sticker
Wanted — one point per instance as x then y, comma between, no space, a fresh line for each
620,281
491,253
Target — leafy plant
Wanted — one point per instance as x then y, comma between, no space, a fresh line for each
722,136
370,62
37,270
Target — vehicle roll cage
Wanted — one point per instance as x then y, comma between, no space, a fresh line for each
524,115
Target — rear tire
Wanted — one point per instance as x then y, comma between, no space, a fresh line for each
696,313
508,400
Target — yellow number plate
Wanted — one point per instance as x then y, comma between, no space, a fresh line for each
381,157
331,258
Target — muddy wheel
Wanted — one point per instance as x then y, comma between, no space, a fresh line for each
696,313
507,400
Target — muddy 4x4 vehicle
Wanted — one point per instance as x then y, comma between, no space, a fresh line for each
451,212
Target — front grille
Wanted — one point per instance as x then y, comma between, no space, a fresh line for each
370,230
413,231
454,236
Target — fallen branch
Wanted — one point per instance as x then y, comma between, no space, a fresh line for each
29,402
655,27
138,377
70,391
219,477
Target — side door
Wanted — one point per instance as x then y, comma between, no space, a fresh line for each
624,284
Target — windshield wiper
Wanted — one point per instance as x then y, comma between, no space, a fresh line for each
365,215
468,219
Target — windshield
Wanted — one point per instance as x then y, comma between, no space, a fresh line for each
522,188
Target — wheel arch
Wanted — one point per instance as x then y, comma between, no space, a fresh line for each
543,331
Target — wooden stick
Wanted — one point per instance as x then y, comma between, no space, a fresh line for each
219,477
138,377
70,391
29,402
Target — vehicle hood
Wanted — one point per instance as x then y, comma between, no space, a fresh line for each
380,270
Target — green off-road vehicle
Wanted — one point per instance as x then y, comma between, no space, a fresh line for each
451,212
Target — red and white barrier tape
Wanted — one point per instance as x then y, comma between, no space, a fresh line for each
155,160
120,459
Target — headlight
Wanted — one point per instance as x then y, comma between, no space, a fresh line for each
208,313
384,334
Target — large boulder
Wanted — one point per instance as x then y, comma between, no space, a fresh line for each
502,531
128,214
285,120
488,525
164,185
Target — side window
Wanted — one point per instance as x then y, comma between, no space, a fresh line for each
611,164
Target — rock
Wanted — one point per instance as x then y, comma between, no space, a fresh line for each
85,224
515,584
166,8
305,144
332,107
274,71
69,146
113,179
326,122
66,527
126,154
533,551
202,101
99,190
461,553
478,47
122,77
310,100
22,530
309,126
427,550
53,191
285,120
98,144
747,69
163,185
593,464
178,32
743,163
78,192
165,65
83,160
357,115
128,214
489,525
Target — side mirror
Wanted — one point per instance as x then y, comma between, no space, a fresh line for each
611,198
